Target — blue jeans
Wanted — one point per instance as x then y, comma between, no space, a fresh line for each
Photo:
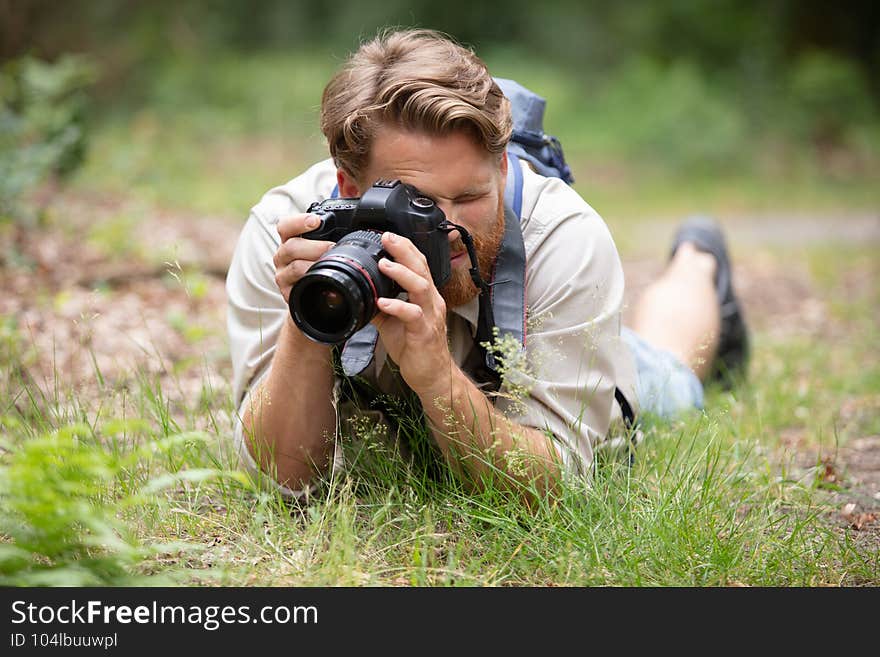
666,387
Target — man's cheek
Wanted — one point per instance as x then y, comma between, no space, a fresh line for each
475,217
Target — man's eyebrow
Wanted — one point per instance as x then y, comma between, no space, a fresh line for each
473,191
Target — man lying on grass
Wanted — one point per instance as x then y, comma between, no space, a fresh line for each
528,404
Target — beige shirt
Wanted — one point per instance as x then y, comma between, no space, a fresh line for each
574,291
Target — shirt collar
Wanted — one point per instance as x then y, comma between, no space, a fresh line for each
470,312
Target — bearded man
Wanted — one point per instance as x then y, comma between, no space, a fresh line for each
415,106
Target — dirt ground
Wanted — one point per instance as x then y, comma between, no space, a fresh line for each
152,300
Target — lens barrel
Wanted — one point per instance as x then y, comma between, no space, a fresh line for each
337,296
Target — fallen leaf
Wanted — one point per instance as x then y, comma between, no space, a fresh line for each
856,520
862,519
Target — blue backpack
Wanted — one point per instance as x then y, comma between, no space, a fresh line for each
529,141
544,152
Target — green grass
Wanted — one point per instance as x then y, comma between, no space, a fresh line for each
146,494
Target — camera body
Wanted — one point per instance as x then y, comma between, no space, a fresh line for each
337,295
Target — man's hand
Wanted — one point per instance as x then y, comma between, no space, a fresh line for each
414,331
296,254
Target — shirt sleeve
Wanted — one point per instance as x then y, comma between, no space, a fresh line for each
564,382
255,307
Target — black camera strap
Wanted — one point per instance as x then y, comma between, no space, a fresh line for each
500,315
486,319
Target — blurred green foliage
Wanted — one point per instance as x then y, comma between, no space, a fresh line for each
830,97
690,122
230,89
757,37
57,507
42,125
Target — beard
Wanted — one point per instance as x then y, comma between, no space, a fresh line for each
460,288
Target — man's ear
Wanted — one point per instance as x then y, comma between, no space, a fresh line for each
348,187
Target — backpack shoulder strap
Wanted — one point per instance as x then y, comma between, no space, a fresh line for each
514,186
505,302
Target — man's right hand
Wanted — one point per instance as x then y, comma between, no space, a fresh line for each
296,254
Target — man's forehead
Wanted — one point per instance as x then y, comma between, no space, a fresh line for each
459,182
452,162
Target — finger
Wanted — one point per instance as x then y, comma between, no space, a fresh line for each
415,285
296,225
286,277
404,252
289,274
297,248
402,310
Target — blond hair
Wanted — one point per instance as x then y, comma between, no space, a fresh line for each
417,79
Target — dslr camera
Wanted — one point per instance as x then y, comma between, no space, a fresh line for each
337,296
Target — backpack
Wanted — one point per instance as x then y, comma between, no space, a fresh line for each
529,141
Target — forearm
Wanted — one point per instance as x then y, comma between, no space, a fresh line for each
479,441
290,423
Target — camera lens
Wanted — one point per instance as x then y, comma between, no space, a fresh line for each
338,294
329,312
333,302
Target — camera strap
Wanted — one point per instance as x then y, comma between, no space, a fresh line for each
485,318
502,315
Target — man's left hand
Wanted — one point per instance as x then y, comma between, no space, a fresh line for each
414,331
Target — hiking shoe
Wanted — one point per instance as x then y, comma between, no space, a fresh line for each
731,361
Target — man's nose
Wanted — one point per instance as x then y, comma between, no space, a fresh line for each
448,210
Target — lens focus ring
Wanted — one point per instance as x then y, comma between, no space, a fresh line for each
337,296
